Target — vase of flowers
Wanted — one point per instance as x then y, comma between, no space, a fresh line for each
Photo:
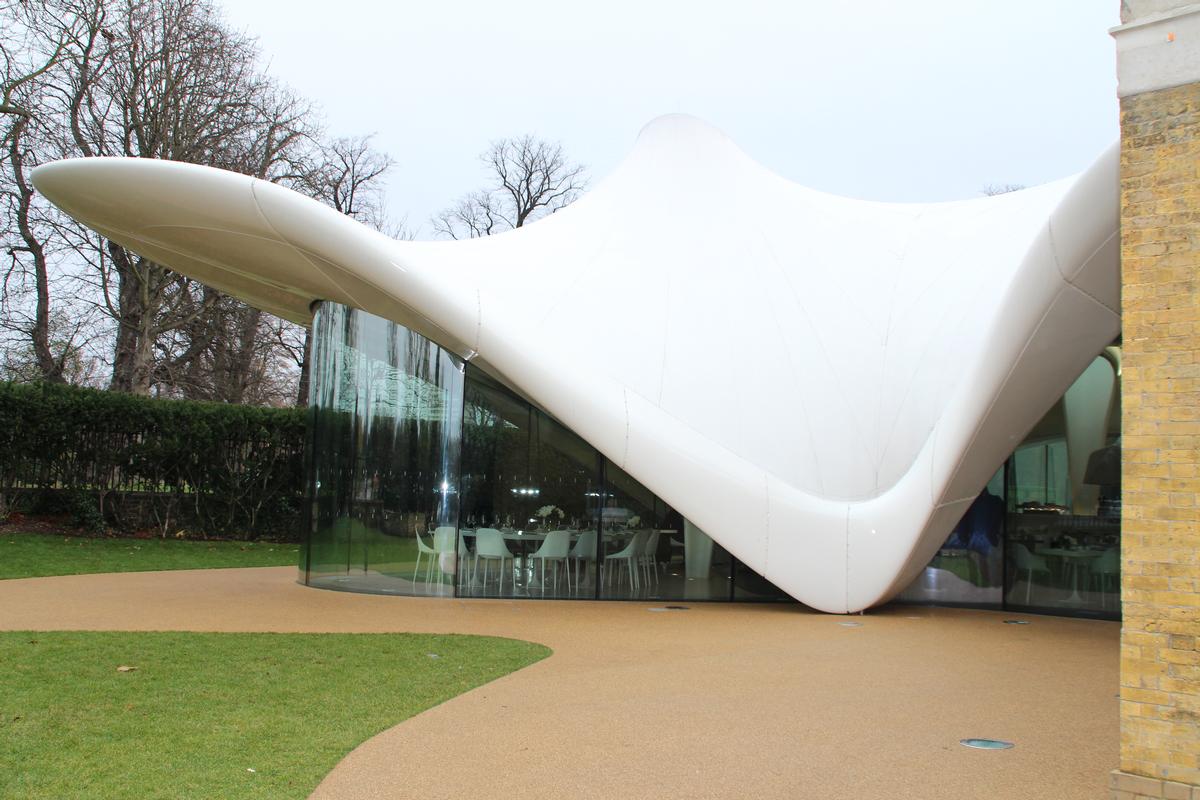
547,513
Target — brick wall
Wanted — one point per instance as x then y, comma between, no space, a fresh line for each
1160,580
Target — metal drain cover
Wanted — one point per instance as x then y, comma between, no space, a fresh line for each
986,744
1016,622
850,624
667,608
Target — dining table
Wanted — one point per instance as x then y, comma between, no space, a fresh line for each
523,540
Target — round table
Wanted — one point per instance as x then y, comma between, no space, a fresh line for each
1077,559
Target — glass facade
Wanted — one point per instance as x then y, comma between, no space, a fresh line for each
429,477
530,499
385,434
1063,502
969,567
1045,533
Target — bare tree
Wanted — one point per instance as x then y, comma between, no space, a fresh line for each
166,79
74,363
36,40
150,79
231,353
530,179
348,176
223,349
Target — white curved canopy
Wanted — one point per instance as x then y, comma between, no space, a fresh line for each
822,384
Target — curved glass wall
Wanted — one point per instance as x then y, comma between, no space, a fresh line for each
1044,535
530,499
544,515
1063,505
429,477
385,435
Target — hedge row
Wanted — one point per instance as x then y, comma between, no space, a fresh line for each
137,462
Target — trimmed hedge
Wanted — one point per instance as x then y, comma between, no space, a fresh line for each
206,468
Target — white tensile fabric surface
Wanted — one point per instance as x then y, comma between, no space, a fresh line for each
821,384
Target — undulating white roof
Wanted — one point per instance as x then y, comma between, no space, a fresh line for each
822,384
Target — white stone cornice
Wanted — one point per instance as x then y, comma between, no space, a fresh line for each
1158,51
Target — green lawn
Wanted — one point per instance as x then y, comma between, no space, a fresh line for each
212,715
351,541
31,555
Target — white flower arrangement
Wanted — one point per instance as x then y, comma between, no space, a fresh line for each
545,512
633,522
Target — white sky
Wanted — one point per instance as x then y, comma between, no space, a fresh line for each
919,100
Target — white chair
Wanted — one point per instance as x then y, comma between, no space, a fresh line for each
1106,570
630,554
1030,564
677,549
583,551
424,550
556,547
490,546
445,540
649,558
464,555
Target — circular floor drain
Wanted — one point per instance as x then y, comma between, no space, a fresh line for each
1016,622
850,624
667,608
986,744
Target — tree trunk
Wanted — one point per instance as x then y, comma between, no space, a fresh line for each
133,352
302,391
50,368
241,366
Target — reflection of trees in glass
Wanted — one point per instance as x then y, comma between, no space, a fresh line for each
624,492
517,459
393,434
566,468
494,452
1040,475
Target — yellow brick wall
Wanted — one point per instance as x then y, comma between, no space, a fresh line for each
1160,580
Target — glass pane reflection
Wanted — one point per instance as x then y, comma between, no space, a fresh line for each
530,499
386,427
1064,502
650,551
1054,512
968,569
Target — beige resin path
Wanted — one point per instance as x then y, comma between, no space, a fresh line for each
719,701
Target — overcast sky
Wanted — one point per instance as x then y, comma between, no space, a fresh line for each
920,100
